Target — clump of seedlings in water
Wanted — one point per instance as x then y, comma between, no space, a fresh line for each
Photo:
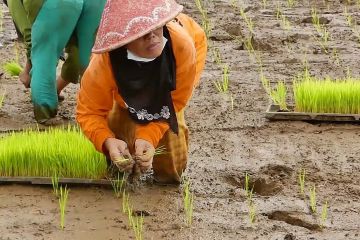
324,214
250,201
63,196
326,95
312,197
223,85
1,18
264,3
2,97
352,23
135,222
291,3
301,180
248,21
34,153
12,68
321,30
188,203
55,184
285,23
118,185
278,94
252,212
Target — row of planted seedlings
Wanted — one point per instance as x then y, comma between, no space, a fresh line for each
136,218
311,195
59,153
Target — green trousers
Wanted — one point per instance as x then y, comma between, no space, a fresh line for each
54,24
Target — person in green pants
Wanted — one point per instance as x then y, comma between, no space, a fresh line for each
48,26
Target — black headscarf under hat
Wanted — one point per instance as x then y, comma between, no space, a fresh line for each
146,86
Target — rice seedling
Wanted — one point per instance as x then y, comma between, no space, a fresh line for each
278,11
252,212
335,56
206,25
248,20
248,192
285,23
125,201
2,97
315,20
188,203
349,19
1,18
321,30
217,56
118,185
223,85
55,184
279,95
248,44
64,192
65,151
264,3
12,68
234,3
265,82
301,180
326,95
324,214
137,225
313,199
291,3
129,212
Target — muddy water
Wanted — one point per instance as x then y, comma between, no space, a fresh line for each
225,144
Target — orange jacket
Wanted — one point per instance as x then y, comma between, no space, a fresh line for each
99,90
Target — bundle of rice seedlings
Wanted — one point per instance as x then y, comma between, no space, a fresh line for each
12,68
62,151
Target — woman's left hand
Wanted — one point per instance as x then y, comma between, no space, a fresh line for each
144,154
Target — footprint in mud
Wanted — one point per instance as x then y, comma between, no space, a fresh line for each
292,218
322,20
260,186
276,171
233,29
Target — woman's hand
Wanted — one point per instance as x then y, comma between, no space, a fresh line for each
144,154
119,154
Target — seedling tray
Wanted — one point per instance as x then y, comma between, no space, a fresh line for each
47,181
273,113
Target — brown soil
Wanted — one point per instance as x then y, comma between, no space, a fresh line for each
225,144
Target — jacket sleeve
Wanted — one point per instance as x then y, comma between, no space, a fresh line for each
95,100
185,57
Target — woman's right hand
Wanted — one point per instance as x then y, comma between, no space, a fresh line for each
119,154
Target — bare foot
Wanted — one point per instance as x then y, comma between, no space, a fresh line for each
24,77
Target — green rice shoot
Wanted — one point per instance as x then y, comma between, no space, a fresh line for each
2,97
188,203
55,184
12,68
302,174
64,193
63,151
278,95
324,214
326,95
313,199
